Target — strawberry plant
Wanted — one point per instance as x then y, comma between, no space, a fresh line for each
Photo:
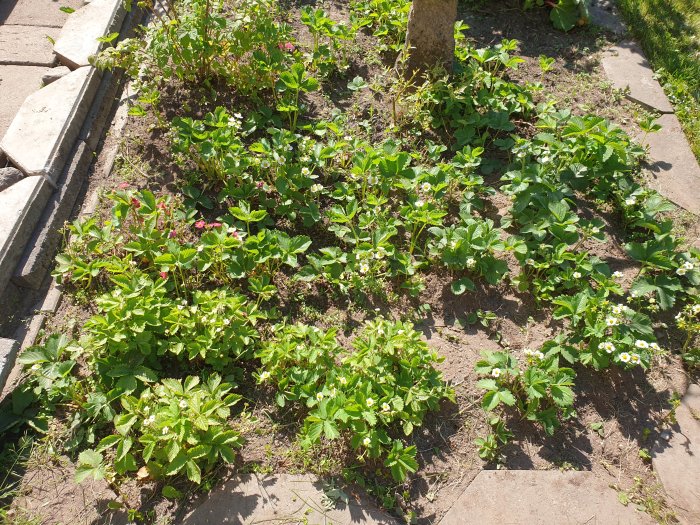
172,427
388,379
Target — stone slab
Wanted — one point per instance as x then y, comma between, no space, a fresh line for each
16,84
38,257
677,461
541,497
674,170
26,45
21,206
53,74
8,353
36,12
78,39
45,128
284,498
627,68
604,14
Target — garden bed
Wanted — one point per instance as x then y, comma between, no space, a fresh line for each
501,228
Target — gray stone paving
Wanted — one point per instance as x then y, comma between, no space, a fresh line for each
628,69
675,172
34,20
35,48
284,498
45,13
16,84
531,497
677,462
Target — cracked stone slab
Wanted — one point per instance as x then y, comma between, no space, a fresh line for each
626,67
21,206
675,172
26,45
78,39
284,498
540,497
677,461
45,128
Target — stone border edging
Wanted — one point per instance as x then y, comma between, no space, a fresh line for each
674,170
53,140
27,333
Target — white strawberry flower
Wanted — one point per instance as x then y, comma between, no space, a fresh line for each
607,346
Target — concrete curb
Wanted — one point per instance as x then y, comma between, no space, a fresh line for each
33,235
